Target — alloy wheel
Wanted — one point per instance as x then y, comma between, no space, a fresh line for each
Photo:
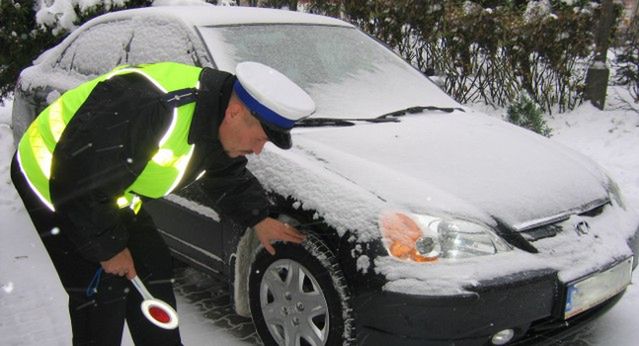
293,305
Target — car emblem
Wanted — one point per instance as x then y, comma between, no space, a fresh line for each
582,228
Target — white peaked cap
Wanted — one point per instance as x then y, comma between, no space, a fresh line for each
273,98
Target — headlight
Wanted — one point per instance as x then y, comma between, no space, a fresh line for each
423,238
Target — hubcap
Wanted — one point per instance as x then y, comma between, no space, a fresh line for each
293,305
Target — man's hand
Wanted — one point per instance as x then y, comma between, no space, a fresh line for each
120,264
270,229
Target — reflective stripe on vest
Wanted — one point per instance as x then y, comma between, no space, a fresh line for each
161,174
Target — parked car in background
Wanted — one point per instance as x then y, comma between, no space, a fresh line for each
427,222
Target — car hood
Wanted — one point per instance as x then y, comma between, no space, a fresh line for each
461,164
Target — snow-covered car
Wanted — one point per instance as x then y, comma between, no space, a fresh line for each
427,222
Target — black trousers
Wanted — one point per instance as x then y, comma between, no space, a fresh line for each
98,318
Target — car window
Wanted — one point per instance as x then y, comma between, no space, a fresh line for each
347,73
98,49
156,39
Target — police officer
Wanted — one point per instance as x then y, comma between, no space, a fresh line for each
87,162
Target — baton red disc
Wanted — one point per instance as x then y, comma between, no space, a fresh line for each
159,314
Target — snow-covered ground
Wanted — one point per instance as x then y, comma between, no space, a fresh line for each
33,303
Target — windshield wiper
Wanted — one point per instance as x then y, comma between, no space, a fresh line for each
384,118
317,122
417,109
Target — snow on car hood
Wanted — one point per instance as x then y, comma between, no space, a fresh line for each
462,164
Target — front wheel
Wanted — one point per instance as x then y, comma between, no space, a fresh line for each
299,296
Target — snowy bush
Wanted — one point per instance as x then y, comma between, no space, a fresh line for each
21,40
281,4
628,61
62,16
325,7
528,114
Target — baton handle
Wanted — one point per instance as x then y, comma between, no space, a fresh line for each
141,288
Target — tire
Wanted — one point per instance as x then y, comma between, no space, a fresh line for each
316,311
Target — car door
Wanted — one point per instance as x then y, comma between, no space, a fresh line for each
192,230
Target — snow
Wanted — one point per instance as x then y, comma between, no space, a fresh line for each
363,263
345,206
536,10
34,301
198,208
480,163
60,15
99,49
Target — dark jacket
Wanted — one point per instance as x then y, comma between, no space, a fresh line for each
111,138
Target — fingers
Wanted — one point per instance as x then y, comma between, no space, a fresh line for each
270,230
291,234
121,265
266,243
269,248
131,273
113,271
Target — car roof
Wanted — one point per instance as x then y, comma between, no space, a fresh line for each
208,15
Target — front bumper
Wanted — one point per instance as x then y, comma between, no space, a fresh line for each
531,303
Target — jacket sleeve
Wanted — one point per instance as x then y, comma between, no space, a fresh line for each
101,152
95,226
236,193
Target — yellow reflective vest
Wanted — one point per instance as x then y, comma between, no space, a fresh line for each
160,175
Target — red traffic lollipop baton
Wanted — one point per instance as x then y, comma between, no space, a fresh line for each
155,310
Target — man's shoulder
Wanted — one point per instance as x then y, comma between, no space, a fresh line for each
212,79
133,85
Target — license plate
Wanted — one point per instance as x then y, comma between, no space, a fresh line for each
597,288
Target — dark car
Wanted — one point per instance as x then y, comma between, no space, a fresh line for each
427,222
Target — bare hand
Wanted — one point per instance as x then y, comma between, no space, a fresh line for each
120,264
270,229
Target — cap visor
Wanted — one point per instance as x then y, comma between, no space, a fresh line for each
278,136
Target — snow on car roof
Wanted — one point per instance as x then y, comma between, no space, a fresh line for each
205,15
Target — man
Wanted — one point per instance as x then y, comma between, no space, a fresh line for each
86,163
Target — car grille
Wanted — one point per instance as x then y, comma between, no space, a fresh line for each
542,232
554,228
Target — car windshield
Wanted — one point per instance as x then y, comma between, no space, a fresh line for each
348,74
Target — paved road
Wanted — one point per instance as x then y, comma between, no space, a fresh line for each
209,297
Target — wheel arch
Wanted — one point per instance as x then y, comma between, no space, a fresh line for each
248,245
